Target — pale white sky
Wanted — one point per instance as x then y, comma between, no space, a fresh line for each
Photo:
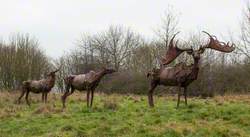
59,23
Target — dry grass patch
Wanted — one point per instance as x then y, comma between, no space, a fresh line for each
233,98
47,109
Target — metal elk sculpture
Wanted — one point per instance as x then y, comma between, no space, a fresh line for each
182,75
88,81
43,86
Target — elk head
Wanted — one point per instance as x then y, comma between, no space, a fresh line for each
52,74
108,70
215,44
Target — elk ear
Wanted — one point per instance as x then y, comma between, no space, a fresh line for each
104,68
47,74
190,52
148,74
201,50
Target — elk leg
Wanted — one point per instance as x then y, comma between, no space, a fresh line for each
27,97
42,97
45,97
22,94
92,96
185,94
65,95
179,96
72,91
150,95
87,98
64,98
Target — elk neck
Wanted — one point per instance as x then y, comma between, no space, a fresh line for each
195,69
51,81
196,63
99,75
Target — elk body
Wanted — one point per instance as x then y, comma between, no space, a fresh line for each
88,81
43,86
181,75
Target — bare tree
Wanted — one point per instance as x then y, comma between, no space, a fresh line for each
165,31
110,47
21,59
86,49
168,27
245,32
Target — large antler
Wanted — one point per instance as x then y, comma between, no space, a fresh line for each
217,45
57,69
172,52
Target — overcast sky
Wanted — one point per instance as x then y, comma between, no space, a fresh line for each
57,24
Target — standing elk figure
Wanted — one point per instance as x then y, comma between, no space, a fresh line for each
88,81
43,86
182,75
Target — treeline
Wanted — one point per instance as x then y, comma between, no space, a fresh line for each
133,56
21,59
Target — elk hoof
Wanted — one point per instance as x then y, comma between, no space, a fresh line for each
151,105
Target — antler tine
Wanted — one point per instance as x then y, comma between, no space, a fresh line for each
232,45
228,44
57,69
224,43
176,43
211,36
176,34
207,33
171,41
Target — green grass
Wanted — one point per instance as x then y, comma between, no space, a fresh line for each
129,116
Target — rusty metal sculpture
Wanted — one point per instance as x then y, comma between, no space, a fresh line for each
43,86
182,75
88,81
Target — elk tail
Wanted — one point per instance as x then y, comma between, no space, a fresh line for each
149,74
25,85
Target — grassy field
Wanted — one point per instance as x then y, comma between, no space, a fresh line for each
120,115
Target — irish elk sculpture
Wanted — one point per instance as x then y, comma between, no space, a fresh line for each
182,75
88,81
43,86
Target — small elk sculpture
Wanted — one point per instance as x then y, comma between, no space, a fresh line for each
88,81
43,86
182,75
